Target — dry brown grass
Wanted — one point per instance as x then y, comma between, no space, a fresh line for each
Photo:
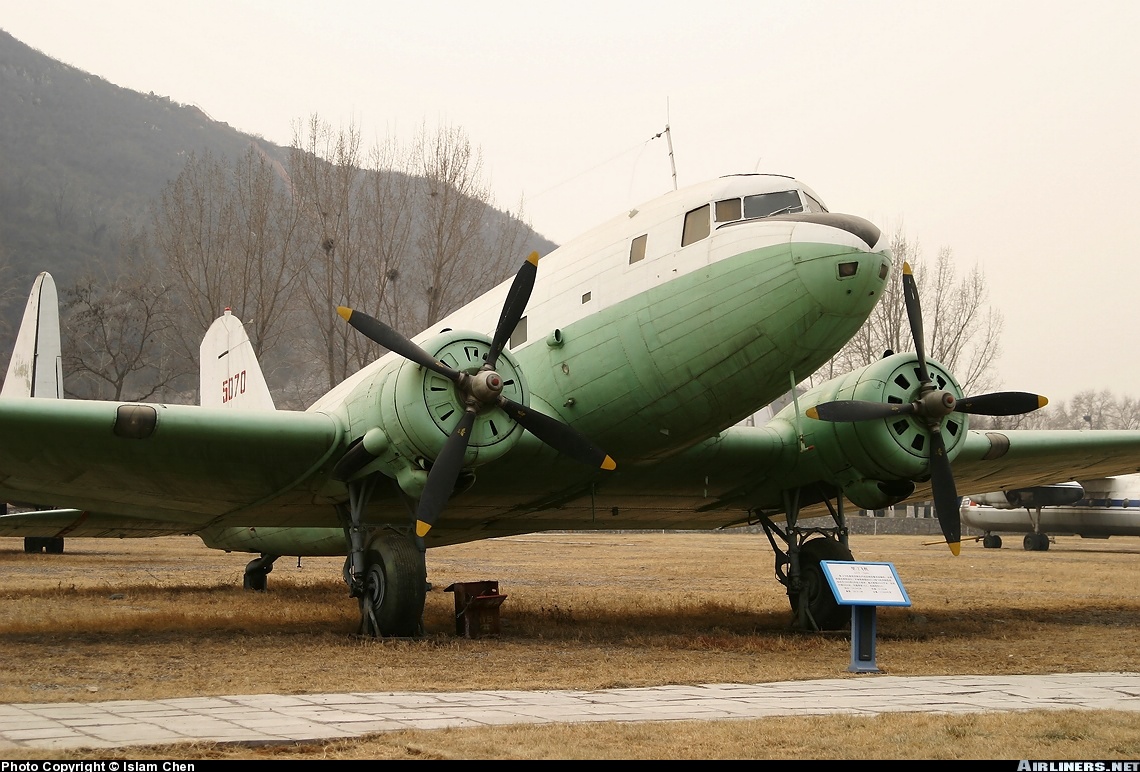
157,618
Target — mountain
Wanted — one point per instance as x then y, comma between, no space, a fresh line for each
80,156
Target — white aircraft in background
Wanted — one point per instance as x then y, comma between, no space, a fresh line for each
36,369
1091,509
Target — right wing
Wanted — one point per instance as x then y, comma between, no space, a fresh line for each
78,523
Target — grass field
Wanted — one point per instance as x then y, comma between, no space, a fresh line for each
144,619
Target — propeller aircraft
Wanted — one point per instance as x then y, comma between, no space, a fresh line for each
607,395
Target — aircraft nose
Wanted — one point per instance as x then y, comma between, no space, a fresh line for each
842,260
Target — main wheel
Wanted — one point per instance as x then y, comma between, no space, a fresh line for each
821,604
53,545
395,588
991,541
1043,542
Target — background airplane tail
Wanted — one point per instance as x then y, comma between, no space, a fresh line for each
230,375
36,367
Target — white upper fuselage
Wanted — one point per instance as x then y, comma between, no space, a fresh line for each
595,270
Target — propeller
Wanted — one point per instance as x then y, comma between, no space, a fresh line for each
479,392
931,406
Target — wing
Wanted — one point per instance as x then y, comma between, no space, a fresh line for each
78,523
177,463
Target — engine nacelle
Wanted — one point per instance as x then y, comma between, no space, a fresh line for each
1057,495
875,458
405,415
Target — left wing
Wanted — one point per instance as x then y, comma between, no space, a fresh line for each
178,463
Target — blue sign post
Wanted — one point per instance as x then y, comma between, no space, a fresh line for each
864,587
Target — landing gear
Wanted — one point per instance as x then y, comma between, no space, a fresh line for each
395,588
991,541
52,545
386,571
256,572
1036,542
798,568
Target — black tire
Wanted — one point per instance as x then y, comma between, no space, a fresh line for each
1029,543
53,545
991,542
33,545
395,588
821,604
1043,542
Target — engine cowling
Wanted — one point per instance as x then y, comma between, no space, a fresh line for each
403,417
874,459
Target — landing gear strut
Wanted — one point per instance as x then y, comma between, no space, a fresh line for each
256,572
798,568
385,570
1035,541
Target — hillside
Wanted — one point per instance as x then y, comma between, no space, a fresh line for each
79,156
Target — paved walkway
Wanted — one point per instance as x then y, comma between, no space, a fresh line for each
268,718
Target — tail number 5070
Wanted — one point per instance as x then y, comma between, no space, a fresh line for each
233,386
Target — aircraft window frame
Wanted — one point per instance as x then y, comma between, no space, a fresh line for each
518,337
637,248
698,225
586,297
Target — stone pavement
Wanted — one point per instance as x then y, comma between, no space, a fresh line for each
268,718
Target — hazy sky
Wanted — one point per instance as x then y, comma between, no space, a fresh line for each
1007,131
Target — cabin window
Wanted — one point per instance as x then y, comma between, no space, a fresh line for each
768,204
697,226
586,297
518,337
637,249
728,210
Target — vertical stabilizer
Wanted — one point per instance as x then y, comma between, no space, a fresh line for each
230,375
36,367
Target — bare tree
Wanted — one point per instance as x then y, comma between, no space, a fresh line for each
460,251
326,178
229,236
961,331
116,329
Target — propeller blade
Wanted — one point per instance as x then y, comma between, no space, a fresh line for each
914,314
562,437
1001,403
444,472
378,332
848,410
514,307
946,502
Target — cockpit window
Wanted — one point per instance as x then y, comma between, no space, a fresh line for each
768,204
697,226
728,210
813,205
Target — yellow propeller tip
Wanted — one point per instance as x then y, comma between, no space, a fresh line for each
811,412
609,464
955,547
344,312
1042,401
532,258
422,528
906,268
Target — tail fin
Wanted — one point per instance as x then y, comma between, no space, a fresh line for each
230,375
36,367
